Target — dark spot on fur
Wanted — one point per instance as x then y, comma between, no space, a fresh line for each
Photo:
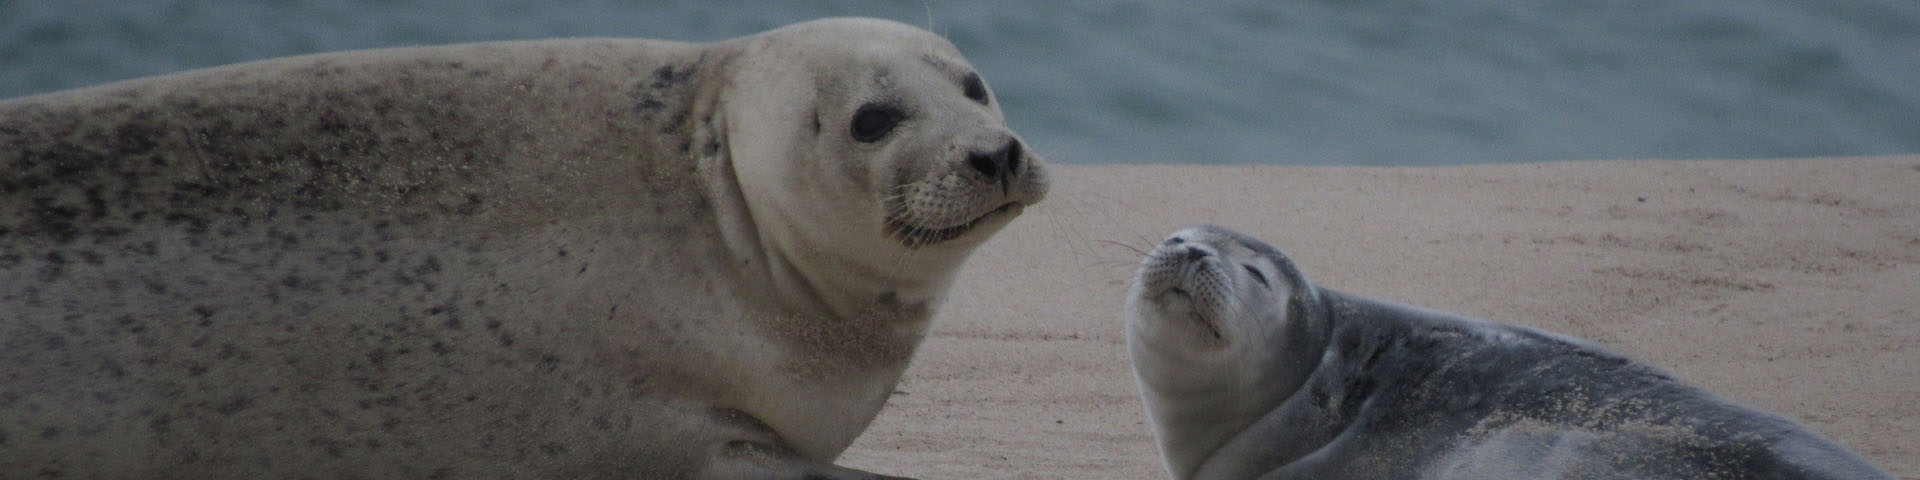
228,351
233,405
453,317
112,369
428,267
52,220
55,265
381,402
136,137
161,424
328,445
647,103
647,97
193,223
672,125
670,76
471,206
205,313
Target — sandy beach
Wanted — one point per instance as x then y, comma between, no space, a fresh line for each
1785,285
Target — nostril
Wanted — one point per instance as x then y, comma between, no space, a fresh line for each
1176,241
1196,253
984,164
997,164
1013,153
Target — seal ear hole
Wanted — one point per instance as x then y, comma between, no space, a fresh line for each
874,121
976,90
1257,276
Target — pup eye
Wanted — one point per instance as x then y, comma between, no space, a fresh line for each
975,89
873,121
1257,276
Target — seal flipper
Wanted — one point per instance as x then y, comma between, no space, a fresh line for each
742,459
763,455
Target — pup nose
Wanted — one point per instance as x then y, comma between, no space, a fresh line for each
998,165
1196,253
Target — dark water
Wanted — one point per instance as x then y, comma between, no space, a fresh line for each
1398,82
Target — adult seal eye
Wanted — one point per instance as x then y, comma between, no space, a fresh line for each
1257,276
873,122
975,89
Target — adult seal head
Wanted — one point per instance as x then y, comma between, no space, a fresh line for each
592,258
1249,371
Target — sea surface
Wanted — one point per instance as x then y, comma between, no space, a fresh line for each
1371,82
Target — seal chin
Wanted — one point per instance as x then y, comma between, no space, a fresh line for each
1177,303
915,236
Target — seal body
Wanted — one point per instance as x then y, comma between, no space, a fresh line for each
1249,371
594,258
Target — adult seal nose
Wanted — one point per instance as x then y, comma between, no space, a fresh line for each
999,165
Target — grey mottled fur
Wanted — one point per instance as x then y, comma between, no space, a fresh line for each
475,261
1345,387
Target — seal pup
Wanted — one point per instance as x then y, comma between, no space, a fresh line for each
1249,371
582,258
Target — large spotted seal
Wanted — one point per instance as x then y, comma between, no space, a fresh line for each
595,258
1248,371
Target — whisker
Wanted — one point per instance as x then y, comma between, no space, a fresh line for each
1136,250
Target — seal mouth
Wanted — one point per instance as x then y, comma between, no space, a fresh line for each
1177,284
916,236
